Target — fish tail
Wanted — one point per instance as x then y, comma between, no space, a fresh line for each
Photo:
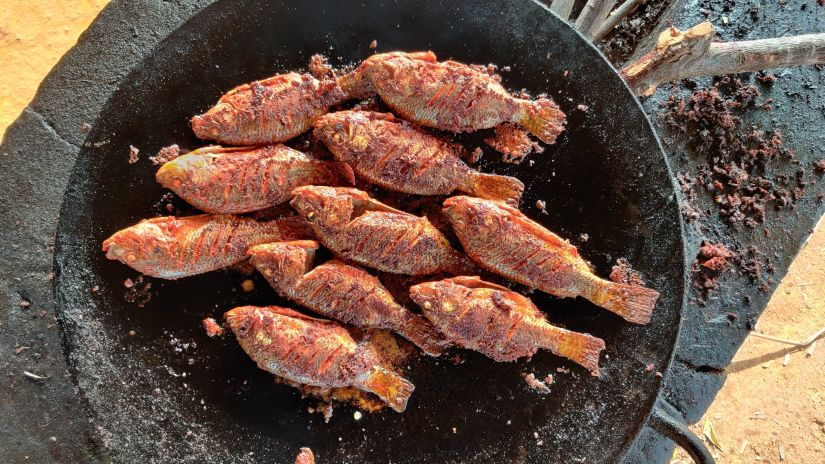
423,334
583,349
633,302
493,187
542,118
389,386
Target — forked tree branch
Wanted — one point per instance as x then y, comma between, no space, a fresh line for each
593,15
614,18
692,53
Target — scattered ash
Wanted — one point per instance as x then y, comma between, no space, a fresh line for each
623,273
373,44
212,328
620,44
819,167
134,154
513,142
540,386
138,291
85,128
319,67
737,157
166,154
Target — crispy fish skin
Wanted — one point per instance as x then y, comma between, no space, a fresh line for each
340,291
449,95
269,111
503,240
399,156
499,323
315,352
174,247
360,229
231,180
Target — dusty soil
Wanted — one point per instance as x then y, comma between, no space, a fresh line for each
773,402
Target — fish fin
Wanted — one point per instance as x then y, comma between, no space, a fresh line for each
427,56
633,302
344,172
581,348
389,386
542,118
494,187
423,334
475,282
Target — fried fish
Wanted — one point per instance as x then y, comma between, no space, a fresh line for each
449,95
503,240
174,247
269,111
315,352
499,323
243,179
365,231
399,156
340,291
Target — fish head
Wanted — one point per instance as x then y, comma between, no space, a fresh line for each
427,295
145,247
221,120
182,172
327,207
243,319
345,133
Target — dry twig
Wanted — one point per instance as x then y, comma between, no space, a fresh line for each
692,53
613,19
801,344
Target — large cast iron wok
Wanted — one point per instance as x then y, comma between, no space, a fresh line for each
168,393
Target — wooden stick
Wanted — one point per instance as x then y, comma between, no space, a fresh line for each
613,19
802,344
593,15
684,54
563,8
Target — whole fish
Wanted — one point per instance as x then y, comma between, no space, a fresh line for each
268,111
315,352
365,231
399,156
174,247
449,95
499,323
503,240
238,180
340,291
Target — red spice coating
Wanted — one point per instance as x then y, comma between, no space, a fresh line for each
503,240
449,95
399,156
315,352
365,231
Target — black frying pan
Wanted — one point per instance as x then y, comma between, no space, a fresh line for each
170,394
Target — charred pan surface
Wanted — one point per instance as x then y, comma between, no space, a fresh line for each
503,240
368,232
174,247
340,291
239,180
399,156
268,111
499,323
315,352
449,95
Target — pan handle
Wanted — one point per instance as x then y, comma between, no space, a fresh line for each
677,431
